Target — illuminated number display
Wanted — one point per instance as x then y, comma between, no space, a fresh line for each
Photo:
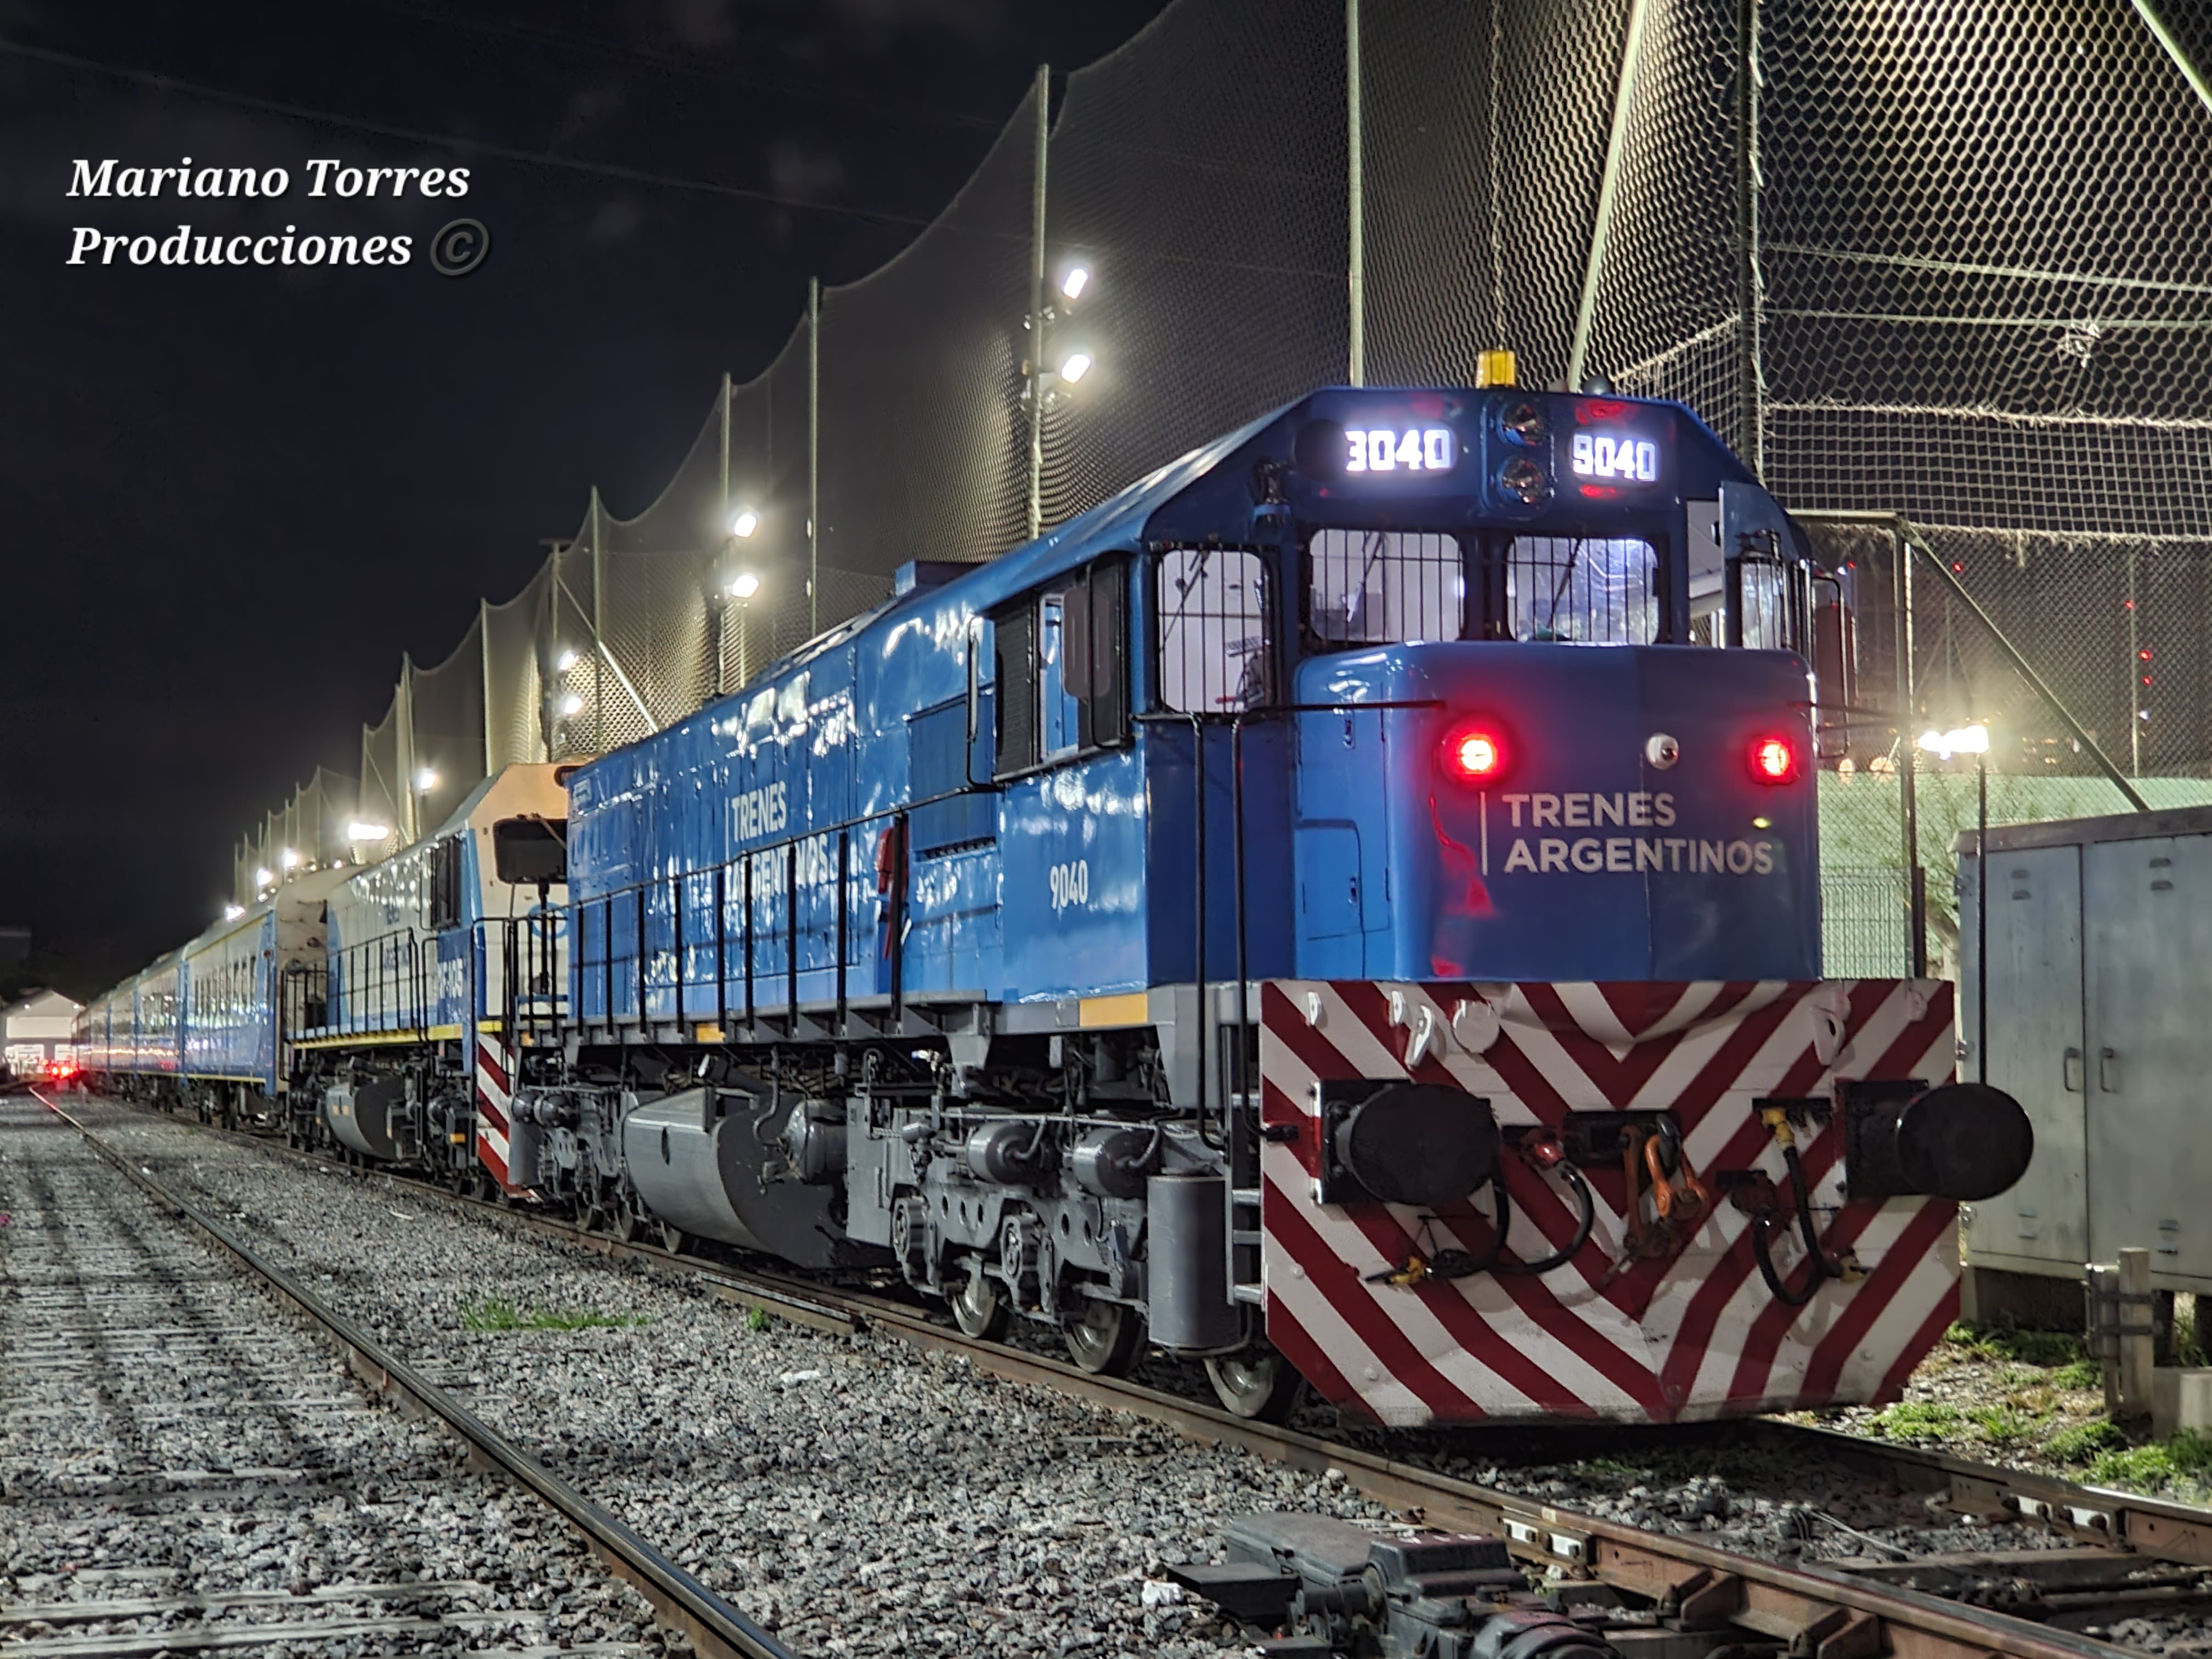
1622,459
1401,449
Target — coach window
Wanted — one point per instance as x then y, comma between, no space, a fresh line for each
1216,653
1062,669
1384,586
1590,590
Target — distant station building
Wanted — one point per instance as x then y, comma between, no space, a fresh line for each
35,1028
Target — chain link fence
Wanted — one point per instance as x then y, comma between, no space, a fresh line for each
1946,263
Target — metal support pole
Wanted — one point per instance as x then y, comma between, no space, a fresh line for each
722,607
548,653
484,656
403,752
1043,96
1982,919
1751,382
598,622
2173,48
2135,675
1356,201
1908,708
813,455
1608,189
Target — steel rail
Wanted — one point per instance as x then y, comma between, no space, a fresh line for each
713,1626
1826,1614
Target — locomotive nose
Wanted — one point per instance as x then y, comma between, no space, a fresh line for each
1965,1141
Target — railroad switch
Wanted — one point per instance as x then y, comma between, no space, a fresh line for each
1328,1587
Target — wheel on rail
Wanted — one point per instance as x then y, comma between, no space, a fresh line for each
1105,1338
1259,1384
457,1180
674,1239
979,1306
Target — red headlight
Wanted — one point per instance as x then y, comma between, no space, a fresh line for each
1473,751
1773,760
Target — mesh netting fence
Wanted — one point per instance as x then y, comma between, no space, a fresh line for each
1950,263
309,832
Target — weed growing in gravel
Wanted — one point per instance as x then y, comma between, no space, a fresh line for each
2042,1349
2003,1425
756,1320
493,1314
2083,1441
2185,1463
1915,1419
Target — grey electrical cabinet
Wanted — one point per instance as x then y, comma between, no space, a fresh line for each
2100,1001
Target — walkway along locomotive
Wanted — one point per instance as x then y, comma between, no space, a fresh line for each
1345,908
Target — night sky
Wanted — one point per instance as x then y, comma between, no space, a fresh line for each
233,495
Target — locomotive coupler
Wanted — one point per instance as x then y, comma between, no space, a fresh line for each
1326,1586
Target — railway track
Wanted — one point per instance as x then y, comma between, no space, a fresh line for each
2061,1561
183,1473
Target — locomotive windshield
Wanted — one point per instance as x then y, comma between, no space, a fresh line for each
1390,587
1384,586
1589,589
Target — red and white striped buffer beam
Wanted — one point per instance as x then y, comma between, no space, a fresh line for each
1623,1330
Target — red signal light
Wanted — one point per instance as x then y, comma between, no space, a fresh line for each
1473,752
1773,760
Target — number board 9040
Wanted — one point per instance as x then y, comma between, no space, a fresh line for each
1614,457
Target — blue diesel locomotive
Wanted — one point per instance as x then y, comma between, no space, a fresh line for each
1319,912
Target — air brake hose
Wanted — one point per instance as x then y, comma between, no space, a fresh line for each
1465,1264
1823,1265
1585,1219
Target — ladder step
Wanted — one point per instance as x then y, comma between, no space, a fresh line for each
1242,1236
1252,1293
1245,1194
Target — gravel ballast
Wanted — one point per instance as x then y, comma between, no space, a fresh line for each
180,1461
859,1496
853,1494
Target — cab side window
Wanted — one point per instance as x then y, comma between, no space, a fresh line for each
1215,642
1063,671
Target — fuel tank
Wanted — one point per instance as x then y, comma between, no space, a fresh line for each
360,1116
711,1162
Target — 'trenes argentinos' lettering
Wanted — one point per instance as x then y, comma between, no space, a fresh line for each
1591,856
